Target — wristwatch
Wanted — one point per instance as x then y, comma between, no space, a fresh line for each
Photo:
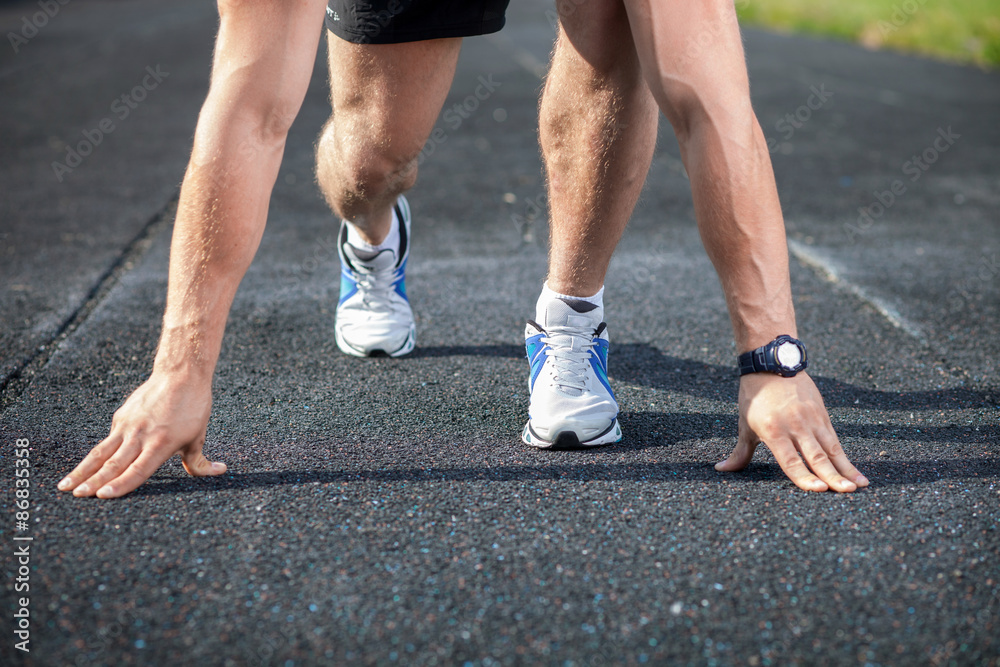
784,356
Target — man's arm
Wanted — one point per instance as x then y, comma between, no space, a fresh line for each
263,61
693,60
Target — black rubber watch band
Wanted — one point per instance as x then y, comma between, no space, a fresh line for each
764,360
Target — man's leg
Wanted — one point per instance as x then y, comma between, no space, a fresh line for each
598,132
692,60
386,99
263,60
597,128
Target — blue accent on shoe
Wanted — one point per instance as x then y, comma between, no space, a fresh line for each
536,355
400,284
348,285
601,350
534,347
599,362
602,374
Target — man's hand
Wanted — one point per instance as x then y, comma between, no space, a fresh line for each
788,416
162,417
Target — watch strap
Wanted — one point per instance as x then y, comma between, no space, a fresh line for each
756,361
763,360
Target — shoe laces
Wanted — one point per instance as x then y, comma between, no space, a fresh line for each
376,288
569,348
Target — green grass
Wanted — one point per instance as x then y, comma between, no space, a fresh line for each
966,31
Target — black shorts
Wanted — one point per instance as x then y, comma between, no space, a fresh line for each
395,21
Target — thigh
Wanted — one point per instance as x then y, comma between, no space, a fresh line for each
387,97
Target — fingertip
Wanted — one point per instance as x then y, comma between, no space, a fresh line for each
861,480
218,467
106,491
65,484
199,466
734,463
82,490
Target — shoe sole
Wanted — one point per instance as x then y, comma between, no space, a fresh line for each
404,349
569,440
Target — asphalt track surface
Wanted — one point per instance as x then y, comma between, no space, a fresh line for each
381,511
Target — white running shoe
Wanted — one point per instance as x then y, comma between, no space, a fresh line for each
572,404
374,315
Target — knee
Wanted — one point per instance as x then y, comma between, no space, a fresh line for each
593,75
377,173
356,173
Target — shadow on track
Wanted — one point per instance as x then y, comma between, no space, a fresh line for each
643,364
882,474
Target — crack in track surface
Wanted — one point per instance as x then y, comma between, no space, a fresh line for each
14,383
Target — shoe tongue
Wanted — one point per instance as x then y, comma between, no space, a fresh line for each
370,260
573,313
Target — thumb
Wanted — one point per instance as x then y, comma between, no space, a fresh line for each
197,465
740,457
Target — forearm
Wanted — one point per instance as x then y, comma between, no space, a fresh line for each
220,221
261,70
739,217
263,62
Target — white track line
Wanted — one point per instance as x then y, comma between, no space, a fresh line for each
828,270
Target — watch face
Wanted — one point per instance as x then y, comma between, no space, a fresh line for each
788,355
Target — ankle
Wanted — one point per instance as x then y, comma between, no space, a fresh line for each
362,237
549,295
